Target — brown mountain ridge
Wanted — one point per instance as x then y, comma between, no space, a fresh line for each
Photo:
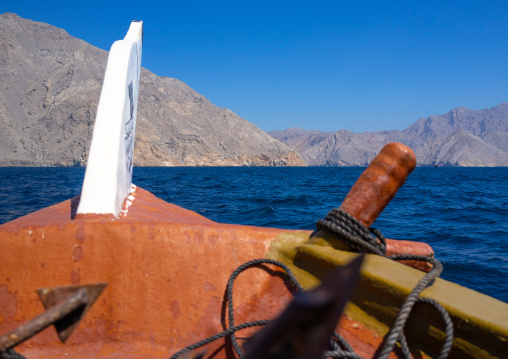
461,137
50,84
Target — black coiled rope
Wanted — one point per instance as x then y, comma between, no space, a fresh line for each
229,292
336,341
357,236
351,231
229,297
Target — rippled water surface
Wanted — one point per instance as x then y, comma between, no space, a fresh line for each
461,212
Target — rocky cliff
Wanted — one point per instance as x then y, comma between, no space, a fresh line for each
461,137
50,84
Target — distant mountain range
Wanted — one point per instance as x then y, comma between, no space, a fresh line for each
50,84
461,137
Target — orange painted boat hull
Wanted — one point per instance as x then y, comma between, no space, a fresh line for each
166,269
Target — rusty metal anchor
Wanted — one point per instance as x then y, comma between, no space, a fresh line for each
65,306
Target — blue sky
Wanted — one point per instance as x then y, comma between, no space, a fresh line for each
318,65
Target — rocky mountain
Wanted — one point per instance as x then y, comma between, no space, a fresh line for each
461,137
50,84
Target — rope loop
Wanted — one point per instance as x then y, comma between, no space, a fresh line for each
229,292
356,235
229,298
352,232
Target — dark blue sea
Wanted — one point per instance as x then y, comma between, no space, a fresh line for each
461,212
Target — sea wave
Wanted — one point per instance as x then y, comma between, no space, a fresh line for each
460,212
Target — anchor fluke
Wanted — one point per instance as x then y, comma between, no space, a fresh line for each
65,307
86,295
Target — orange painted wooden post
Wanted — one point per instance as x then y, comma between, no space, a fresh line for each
379,183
